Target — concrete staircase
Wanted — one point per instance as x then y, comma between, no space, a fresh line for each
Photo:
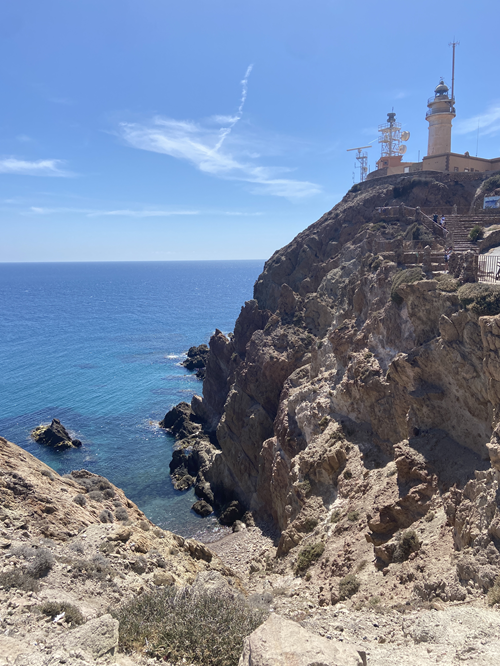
459,226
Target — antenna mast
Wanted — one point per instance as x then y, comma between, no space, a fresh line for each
453,44
362,157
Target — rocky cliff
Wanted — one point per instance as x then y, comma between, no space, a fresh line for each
356,404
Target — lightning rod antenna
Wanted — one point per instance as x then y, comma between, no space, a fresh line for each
453,44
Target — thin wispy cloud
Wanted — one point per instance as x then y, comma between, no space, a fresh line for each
488,122
130,212
204,145
124,212
20,167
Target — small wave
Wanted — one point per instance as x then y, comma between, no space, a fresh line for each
175,356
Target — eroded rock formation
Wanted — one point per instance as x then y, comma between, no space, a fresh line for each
350,406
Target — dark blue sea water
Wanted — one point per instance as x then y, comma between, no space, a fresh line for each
98,346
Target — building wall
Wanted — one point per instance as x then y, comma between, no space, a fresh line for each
439,133
455,162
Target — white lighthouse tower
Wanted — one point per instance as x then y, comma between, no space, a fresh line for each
440,114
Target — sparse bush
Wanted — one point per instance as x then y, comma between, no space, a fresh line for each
417,232
494,593
348,586
483,299
335,516
361,565
408,276
307,556
476,233
304,487
310,524
353,516
106,516
347,474
109,493
18,579
324,423
23,551
374,601
96,568
54,608
429,517
95,495
407,543
139,565
107,547
80,499
355,188
78,547
144,525
491,183
121,514
202,629
41,565
447,283
47,473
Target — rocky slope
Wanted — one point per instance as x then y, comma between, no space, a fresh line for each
356,411
71,549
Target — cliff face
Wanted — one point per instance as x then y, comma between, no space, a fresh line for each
334,374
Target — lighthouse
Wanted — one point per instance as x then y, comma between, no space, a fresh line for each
441,111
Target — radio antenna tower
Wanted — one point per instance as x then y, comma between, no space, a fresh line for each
362,157
453,44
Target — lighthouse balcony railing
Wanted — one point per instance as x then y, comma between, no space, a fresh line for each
440,98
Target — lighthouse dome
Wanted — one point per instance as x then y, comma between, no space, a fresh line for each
441,89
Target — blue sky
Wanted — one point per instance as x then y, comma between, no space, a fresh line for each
216,129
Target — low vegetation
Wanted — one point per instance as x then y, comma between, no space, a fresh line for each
348,586
307,556
494,593
483,299
199,628
55,609
476,233
407,543
447,283
408,276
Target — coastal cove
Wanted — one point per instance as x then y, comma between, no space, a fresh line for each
99,346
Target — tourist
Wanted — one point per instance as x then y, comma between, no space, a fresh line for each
435,218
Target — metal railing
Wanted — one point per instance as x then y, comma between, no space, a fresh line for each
489,268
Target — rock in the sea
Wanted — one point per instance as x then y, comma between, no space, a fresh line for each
280,642
234,511
202,508
180,421
197,360
55,435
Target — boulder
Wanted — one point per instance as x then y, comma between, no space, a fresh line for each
55,435
234,511
180,421
197,360
96,637
281,642
202,508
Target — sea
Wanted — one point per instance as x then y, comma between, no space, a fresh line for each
99,346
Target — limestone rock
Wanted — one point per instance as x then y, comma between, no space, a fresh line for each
202,508
281,642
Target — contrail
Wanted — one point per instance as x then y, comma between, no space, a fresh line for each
244,90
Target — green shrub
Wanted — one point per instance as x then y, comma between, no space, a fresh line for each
202,629
347,474
310,524
324,423
417,232
407,543
353,516
348,586
307,556
491,183
408,276
494,593
483,299
335,516
447,283
18,579
476,233
54,608
355,188
304,486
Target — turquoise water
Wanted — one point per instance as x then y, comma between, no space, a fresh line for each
98,346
